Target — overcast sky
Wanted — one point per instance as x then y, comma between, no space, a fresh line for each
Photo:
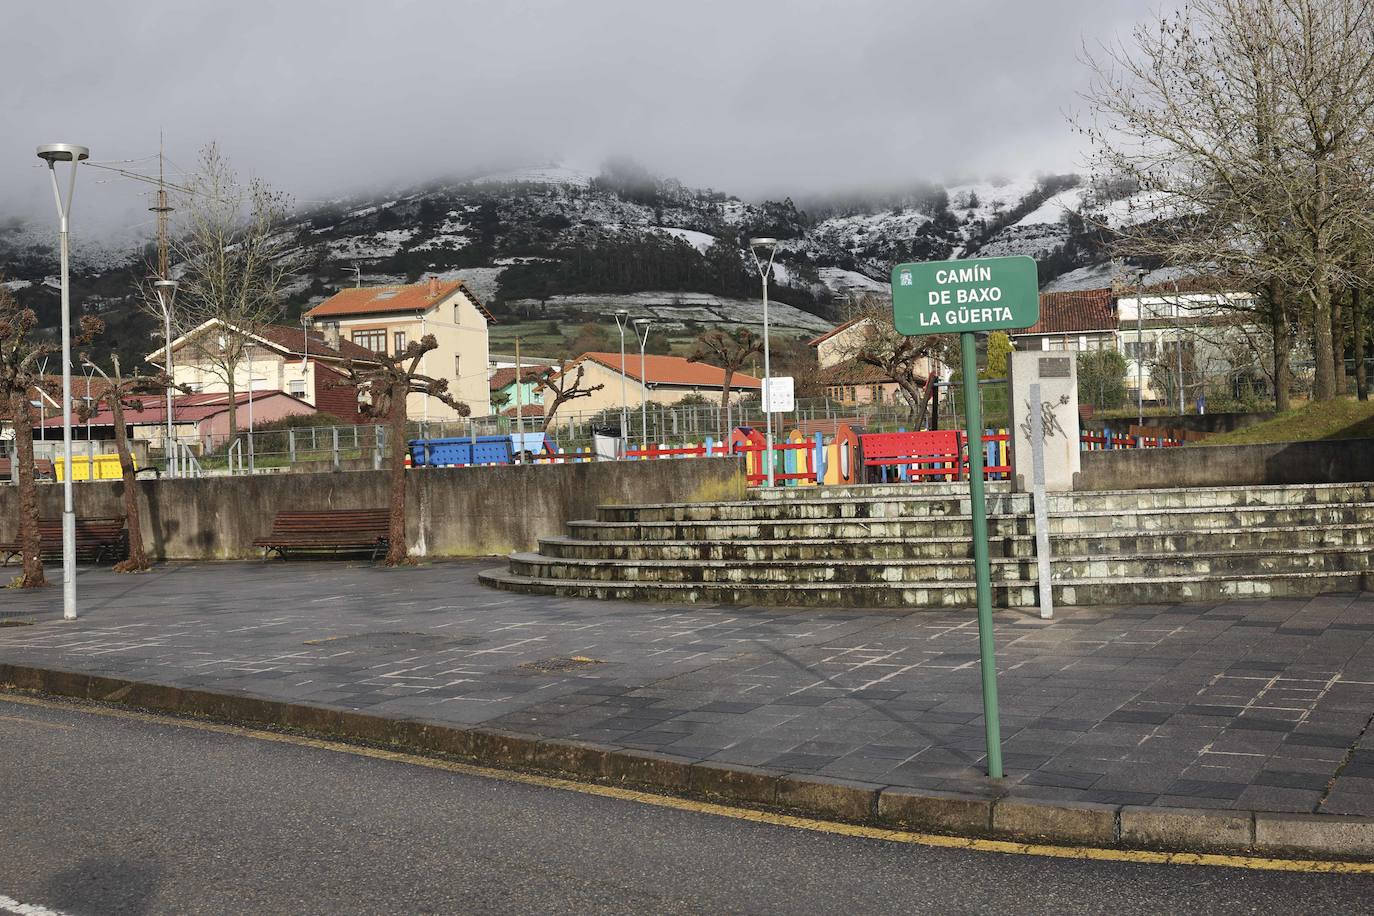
750,96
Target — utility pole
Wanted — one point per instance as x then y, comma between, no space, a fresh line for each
165,288
519,405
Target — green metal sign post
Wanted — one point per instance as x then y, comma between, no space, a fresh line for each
963,297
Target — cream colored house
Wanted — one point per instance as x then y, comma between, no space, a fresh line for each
385,319
848,381
274,358
661,380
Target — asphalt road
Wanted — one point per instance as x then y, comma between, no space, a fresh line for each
113,815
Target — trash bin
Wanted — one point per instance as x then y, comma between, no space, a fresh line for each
607,443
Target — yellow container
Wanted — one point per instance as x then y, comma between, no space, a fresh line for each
98,467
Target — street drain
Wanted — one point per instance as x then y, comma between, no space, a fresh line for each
558,665
396,640
16,623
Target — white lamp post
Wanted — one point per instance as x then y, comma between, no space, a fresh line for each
642,332
765,270
166,293
52,154
622,318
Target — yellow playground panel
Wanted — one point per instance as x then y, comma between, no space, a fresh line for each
95,467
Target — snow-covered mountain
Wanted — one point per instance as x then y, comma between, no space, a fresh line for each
580,244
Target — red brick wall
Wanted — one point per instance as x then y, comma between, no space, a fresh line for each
335,397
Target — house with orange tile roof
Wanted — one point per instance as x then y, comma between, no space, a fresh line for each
660,380
1081,319
385,319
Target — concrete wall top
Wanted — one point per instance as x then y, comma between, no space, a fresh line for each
1328,461
451,512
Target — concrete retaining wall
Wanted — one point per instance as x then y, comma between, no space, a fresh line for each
1329,461
1199,423
452,512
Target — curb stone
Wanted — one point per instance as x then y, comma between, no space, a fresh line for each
1312,836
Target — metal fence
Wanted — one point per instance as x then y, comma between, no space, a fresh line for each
354,447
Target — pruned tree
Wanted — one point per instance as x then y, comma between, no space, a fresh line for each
564,382
729,350
119,393
1246,126
21,354
232,266
384,384
909,362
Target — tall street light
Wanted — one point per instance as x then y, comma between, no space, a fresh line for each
622,318
166,294
642,332
766,270
52,154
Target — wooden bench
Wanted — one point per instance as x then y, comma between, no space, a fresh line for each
933,453
328,530
95,538
42,469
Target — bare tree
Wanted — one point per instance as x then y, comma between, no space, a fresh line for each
232,265
1246,126
383,384
730,350
119,392
21,354
909,362
564,385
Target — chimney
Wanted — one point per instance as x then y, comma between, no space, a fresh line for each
331,334
433,287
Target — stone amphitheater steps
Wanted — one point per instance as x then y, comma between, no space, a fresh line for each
937,595
908,546
1019,570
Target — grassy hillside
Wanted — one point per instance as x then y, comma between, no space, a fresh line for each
1340,419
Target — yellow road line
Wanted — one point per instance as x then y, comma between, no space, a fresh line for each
1137,856
27,721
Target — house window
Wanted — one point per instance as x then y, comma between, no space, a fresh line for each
400,340
296,386
1135,349
457,316
457,367
371,340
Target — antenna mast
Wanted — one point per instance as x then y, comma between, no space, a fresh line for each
163,210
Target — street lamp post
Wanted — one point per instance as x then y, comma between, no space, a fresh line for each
52,154
642,332
166,293
765,270
622,318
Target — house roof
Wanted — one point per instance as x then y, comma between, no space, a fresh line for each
285,339
189,408
671,370
297,342
503,377
377,300
853,372
529,410
817,341
1075,312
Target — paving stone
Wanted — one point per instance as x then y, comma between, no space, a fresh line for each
1228,705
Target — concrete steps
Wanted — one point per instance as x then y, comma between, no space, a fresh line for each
1003,569
941,595
909,546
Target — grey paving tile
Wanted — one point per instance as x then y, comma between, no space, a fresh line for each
1198,705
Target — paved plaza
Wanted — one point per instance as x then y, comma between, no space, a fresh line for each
1261,705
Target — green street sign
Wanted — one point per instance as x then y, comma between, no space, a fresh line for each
979,294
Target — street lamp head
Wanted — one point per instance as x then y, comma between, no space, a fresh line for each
641,322
169,285
763,243
622,312
63,152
